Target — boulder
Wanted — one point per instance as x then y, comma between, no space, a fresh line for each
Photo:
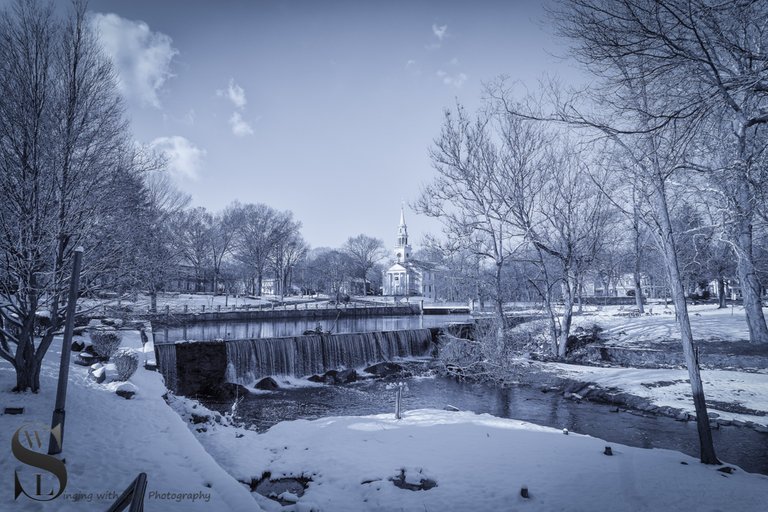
229,390
84,359
268,384
98,374
346,376
77,346
329,377
384,369
79,331
126,390
199,418
315,378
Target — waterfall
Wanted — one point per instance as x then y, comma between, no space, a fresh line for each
250,360
166,361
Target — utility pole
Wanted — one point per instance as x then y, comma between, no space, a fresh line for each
55,445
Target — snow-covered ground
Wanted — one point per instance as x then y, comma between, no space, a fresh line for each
479,462
659,324
108,441
735,391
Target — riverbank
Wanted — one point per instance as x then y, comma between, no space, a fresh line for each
441,460
109,440
733,398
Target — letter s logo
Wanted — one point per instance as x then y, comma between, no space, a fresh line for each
37,459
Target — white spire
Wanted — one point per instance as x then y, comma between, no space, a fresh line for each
402,214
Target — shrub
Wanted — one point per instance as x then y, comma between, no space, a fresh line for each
105,342
126,362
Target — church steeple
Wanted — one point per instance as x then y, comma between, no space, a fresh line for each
402,249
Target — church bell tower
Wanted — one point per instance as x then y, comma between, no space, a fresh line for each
402,249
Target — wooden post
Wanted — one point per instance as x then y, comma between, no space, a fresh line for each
57,421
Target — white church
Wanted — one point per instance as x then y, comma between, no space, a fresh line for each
408,276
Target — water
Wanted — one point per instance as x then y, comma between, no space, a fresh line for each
250,360
741,446
200,331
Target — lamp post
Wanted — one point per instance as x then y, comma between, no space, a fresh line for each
55,445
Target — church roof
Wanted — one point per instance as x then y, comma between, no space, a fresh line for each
396,268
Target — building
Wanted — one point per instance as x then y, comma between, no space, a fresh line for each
408,276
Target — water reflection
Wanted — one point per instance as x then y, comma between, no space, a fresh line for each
741,446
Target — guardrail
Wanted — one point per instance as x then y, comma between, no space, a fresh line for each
133,497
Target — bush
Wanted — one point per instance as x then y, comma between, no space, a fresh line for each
105,342
126,362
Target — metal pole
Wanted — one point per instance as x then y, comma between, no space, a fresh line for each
54,445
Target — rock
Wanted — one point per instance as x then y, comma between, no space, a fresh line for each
112,322
329,377
346,376
200,418
315,378
99,375
126,390
79,331
268,384
412,482
384,369
84,359
229,390
77,346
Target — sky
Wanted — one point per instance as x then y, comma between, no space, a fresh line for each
326,109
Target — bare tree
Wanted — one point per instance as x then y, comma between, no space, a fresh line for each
466,194
701,62
62,140
365,252
222,237
193,231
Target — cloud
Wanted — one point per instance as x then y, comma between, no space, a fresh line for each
142,58
456,80
239,126
233,93
184,158
454,62
440,32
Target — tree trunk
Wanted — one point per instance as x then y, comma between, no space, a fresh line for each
638,246
750,288
499,299
721,293
27,368
706,446
153,301
565,323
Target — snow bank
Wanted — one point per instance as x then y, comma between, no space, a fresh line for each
727,391
479,462
108,441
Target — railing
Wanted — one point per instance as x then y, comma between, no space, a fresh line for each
303,306
132,497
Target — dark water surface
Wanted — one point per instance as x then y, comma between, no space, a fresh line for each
293,327
741,446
